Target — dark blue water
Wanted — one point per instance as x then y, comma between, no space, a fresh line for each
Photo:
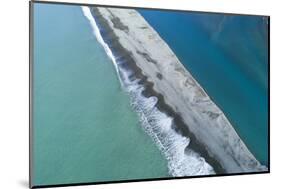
228,56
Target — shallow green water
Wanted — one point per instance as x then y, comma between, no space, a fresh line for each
84,128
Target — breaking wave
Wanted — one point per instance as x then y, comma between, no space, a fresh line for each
182,161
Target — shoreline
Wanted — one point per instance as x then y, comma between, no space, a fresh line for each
149,91
117,35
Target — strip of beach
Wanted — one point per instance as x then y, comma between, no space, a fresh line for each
180,96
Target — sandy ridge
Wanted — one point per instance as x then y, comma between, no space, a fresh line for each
180,90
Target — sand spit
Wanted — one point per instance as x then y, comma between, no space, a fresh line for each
141,45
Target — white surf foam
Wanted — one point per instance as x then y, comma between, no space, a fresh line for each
87,13
182,161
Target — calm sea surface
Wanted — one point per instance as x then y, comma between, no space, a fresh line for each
228,56
84,127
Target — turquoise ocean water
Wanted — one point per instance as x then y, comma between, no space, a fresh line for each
228,56
84,127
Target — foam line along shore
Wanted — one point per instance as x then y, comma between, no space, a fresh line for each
182,161
152,64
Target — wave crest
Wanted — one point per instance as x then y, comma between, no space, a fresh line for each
182,161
